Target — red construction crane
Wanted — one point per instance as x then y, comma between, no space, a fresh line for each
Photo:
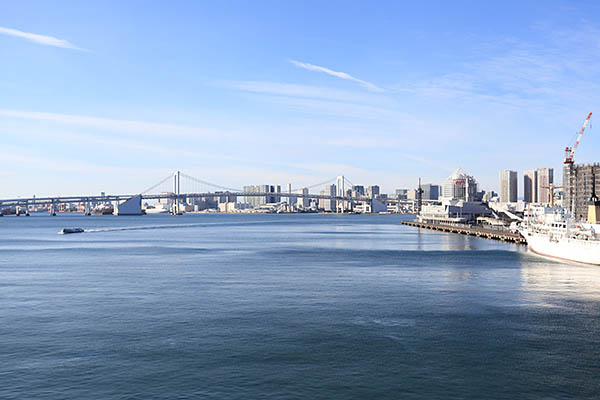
569,152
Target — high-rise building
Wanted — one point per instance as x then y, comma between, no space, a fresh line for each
291,200
267,198
430,191
373,191
578,184
545,177
401,194
460,186
303,202
328,204
358,191
508,186
530,193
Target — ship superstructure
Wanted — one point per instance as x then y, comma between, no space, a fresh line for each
553,232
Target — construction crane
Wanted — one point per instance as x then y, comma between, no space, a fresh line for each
568,173
570,152
551,193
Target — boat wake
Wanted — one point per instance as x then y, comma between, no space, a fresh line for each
149,227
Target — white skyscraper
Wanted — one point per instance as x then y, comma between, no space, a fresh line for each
460,186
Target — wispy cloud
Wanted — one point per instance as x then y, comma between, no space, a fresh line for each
337,74
319,100
298,90
116,125
40,39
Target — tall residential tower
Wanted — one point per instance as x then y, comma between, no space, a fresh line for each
530,193
508,186
545,178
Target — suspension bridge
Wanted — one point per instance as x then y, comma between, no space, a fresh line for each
179,188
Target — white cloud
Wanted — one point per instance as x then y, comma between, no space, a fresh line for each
41,39
337,74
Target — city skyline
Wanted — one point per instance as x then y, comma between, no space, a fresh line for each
112,98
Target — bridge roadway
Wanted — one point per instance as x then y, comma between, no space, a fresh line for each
111,198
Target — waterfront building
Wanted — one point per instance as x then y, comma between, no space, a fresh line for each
460,186
490,196
401,194
430,191
508,186
545,177
328,204
369,206
358,191
266,198
303,202
579,182
166,201
205,203
224,197
291,200
232,207
453,212
530,193
373,191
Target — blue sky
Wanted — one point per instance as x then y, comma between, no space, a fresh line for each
112,96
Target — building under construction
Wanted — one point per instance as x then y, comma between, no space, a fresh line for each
579,181
578,184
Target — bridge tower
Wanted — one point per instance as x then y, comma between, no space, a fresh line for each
53,208
340,183
177,191
88,208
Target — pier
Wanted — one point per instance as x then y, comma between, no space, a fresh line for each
484,233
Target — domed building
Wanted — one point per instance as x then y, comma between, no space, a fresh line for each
460,186
460,202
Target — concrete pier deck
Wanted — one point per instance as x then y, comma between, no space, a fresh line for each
480,232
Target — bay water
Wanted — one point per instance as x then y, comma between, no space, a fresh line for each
307,306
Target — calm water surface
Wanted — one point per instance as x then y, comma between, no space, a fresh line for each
287,306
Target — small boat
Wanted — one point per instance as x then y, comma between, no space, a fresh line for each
71,230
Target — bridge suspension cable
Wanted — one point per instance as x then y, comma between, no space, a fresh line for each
210,184
200,181
349,181
158,184
316,184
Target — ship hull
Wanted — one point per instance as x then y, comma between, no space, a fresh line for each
566,249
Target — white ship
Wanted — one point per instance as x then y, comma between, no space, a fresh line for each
157,209
553,232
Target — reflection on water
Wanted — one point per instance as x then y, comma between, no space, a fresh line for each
434,240
546,280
